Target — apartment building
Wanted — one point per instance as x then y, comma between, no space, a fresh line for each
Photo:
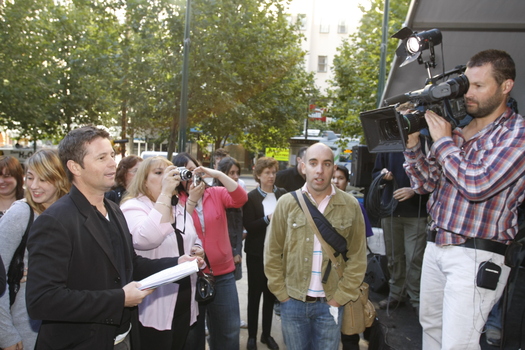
324,23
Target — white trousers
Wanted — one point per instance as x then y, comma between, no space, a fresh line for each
453,310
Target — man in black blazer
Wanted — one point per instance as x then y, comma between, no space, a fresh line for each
81,259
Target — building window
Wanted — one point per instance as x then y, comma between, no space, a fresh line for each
322,64
341,27
289,19
324,27
302,21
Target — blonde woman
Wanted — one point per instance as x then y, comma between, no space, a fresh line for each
161,227
46,181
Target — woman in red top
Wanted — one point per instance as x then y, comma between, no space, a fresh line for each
209,217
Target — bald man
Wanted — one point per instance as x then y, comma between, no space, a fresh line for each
296,264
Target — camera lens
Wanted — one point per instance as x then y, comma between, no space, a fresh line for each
413,122
389,129
185,174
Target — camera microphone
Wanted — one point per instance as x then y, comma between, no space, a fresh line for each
451,88
397,99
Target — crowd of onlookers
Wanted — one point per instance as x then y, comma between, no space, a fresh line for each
167,216
77,233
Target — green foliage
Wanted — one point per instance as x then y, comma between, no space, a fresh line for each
118,62
247,73
356,66
55,64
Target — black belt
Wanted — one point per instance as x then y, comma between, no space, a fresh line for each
475,243
310,299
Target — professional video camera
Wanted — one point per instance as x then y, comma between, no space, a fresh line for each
386,129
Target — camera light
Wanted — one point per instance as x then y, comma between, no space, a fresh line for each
413,45
418,42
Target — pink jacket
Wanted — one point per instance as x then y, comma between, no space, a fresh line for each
215,237
153,240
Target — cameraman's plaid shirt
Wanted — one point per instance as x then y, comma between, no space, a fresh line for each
476,185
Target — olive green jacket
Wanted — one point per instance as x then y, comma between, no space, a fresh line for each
288,250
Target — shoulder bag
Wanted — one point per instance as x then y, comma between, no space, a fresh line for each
205,285
15,271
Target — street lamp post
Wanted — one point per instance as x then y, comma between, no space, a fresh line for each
183,117
382,63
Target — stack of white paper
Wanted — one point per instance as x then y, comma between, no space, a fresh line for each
169,275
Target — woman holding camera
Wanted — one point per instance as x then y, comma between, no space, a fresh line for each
230,166
161,227
211,224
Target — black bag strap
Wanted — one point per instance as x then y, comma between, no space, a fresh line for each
326,247
180,242
328,232
15,271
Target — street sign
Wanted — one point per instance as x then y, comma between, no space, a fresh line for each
279,154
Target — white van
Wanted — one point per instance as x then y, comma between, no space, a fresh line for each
148,154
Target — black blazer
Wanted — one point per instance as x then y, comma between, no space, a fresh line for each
3,278
73,283
254,223
289,179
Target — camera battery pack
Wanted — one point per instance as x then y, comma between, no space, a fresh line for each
488,275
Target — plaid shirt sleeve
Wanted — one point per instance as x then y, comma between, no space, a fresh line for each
423,172
490,164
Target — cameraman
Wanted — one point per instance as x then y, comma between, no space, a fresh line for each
403,228
475,175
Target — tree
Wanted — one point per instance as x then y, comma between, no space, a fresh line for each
247,73
68,63
246,70
356,66
24,88
56,65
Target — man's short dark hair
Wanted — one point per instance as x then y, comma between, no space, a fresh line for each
344,170
503,66
73,146
221,153
301,152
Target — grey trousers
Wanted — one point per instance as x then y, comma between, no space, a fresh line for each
405,242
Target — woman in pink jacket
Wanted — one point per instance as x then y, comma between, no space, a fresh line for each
161,227
209,216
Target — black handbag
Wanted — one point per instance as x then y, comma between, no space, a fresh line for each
205,285
15,271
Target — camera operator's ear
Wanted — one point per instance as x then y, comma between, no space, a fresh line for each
507,86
